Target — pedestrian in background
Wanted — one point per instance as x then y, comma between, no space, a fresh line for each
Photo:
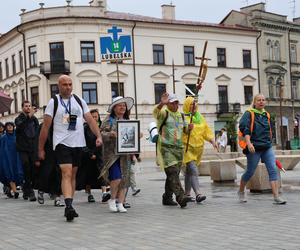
27,127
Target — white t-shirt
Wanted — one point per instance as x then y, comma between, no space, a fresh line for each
61,134
223,139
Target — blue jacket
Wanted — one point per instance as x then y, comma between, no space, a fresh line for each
260,136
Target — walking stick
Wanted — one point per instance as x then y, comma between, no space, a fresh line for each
200,80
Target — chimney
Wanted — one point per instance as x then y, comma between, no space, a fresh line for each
168,11
98,3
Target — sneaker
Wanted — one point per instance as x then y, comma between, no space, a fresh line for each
57,202
105,197
242,197
135,192
126,205
279,201
112,205
91,198
40,197
200,198
121,208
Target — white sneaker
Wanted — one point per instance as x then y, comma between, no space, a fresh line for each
279,201
242,197
121,209
112,205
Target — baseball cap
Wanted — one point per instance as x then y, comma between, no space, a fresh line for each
173,98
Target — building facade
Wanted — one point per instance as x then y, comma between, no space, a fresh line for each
65,40
279,65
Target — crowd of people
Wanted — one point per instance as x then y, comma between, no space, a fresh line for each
72,149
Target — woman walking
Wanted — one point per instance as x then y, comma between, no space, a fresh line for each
200,133
259,146
115,167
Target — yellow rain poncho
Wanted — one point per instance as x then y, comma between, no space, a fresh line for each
200,133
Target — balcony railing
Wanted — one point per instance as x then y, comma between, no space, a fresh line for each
228,108
55,67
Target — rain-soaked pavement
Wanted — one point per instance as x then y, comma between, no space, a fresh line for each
219,223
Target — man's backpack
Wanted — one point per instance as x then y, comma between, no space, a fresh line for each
241,137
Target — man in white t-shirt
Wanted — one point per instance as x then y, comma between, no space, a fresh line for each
68,137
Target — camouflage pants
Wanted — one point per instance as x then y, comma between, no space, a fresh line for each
173,184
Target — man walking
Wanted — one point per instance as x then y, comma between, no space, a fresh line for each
67,112
27,127
170,148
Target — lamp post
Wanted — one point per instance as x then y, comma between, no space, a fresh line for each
281,118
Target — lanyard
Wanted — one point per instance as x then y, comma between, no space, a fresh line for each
68,106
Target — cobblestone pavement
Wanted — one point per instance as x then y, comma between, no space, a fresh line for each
219,223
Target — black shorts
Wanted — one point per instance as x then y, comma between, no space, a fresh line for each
67,155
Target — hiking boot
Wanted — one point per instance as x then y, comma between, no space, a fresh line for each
200,198
279,201
105,197
183,201
168,201
242,197
91,198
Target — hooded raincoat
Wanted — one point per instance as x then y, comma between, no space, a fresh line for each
200,133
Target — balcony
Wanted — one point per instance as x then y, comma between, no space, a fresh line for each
228,108
55,67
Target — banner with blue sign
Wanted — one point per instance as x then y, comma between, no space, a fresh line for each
115,47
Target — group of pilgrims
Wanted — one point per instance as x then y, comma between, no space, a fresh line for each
180,140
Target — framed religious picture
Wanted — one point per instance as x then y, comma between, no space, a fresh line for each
128,137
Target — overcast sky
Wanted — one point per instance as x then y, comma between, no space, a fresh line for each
212,11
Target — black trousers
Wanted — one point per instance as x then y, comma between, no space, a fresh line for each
173,184
27,159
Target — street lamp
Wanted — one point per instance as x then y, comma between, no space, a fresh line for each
281,117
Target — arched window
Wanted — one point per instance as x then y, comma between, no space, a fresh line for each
278,86
277,51
295,90
269,50
271,87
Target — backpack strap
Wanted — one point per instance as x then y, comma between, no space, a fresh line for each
79,102
164,122
55,99
269,121
251,121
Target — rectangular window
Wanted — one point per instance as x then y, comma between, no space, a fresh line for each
89,92
223,98
295,89
6,68
16,102
159,89
189,56
190,90
293,53
13,64
117,89
221,56
247,58
248,93
32,56
34,96
23,95
1,72
87,51
158,54
21,61
53,89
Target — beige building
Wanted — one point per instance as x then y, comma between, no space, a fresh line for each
279,64
65,39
